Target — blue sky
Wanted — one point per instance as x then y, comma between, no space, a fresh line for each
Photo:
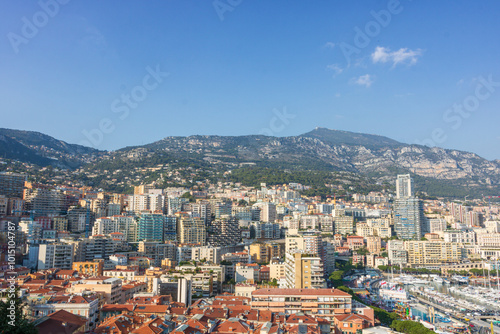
424,72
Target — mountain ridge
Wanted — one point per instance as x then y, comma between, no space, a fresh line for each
320,149
39,148
350,138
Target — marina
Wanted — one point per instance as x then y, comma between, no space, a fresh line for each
449,304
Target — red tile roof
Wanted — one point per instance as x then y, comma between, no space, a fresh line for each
297,319
184,329
150,327
65,316
151,309
216,313
178,310
201,324
294,329
233,325
353,317
66,272
274,329
119,324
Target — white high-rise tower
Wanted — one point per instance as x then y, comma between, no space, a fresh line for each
404,186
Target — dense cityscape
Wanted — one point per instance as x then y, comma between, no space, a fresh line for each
232,258
249,167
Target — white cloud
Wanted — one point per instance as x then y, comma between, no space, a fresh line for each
364,80
460,82
329,45
337,95
335,68
380,55
401,56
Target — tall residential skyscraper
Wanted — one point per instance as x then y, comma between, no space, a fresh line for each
307,242
57,255
268,213
45,201
191,230
104,225
203,211
224,231
128,226
404,186
95,247
175,204
409,217
304,271
123,224
260,230
12,184
222,208
150,227
170,231
76,218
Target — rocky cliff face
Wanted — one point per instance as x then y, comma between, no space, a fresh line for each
320,149
314,152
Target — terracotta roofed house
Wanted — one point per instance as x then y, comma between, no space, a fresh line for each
61,322
233,325
351,323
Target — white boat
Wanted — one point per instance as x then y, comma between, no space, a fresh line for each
408,279
438,279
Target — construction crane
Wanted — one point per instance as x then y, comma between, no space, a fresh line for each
335,196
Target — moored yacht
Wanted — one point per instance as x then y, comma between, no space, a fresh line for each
438,279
